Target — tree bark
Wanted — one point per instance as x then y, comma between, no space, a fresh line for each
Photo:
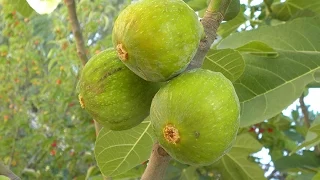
158,163
6,172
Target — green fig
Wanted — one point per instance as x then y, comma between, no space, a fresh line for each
112,94
195,117
157,39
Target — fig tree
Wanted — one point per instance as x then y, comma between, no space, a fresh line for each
157,39
112,94
195,116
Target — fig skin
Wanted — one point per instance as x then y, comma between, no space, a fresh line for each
157,39
112,94
195,117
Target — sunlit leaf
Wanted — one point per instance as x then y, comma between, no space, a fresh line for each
44,6
227,61
273,83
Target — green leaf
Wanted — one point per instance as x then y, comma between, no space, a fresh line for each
226,28
300,176
117,152
273,83
197,5
308,160
233,10
235,164
312,137
4,178
284,11
22,7
257,48
44,6
227,61
316,177
189,173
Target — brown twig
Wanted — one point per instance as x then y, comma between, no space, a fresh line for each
157,165
6,172
305,111
306,119
211,22
81,50
214,15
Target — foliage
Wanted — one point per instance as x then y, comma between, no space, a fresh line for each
271,53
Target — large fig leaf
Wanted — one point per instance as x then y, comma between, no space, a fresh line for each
117,152
235,164
227,61
270,84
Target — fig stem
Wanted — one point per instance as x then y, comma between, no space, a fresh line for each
158,163
210,21
6,172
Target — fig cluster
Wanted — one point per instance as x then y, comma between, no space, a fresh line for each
194,114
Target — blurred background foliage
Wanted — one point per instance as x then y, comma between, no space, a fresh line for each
44,134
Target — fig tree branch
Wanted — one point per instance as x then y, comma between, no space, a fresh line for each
211,21
305,111
6,172
159,159
76,30
158,162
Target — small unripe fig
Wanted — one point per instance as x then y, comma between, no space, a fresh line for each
195,117
112,94
157,39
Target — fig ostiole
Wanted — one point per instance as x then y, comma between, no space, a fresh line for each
195,116
157,39
112,94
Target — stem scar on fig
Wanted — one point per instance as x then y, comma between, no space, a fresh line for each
81,101
171,134
122,53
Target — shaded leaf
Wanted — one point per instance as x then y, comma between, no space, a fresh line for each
227,61
226,28
117,152
189,173
308,160
235,164
284,11
312,137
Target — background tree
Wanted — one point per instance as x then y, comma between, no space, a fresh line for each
271,56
